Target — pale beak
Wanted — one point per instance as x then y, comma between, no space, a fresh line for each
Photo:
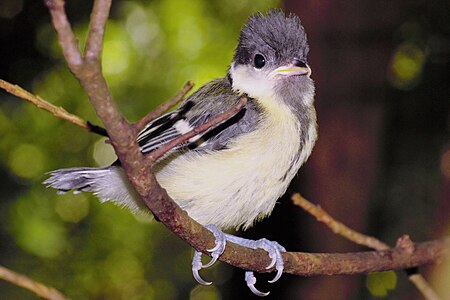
290,70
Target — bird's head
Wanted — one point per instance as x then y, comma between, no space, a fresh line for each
271,58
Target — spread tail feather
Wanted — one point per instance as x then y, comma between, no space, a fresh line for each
108,183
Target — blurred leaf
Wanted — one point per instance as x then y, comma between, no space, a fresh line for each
27,161
379,284
35,227
406,66
72,208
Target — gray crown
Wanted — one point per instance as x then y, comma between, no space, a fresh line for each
272,33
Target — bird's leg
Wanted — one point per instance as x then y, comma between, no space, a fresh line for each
273,249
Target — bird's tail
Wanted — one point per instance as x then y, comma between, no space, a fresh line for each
107,183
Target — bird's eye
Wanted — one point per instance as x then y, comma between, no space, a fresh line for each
259,61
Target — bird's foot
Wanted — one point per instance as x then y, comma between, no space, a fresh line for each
273,249
216,251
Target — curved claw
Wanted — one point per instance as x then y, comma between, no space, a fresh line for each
251,280
274,250
279,273
272,263
197,266
200,279
218,249
215,248
212,261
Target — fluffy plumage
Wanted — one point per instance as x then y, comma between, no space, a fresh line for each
233,174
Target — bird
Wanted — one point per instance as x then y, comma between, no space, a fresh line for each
233,174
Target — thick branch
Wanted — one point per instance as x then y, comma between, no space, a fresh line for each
398,258
25,282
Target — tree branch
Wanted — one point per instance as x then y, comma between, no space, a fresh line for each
336,226
57,111
361,239
88,72
139,125
25,282
61,113
97,25
397,258
423,286
67,40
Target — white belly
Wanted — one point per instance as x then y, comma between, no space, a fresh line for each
235,186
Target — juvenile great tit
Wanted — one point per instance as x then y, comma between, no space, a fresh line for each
234,173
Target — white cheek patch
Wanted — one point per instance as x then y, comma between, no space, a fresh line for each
251,82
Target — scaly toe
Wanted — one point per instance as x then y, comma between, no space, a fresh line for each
197,266
251,280
274,249
219,248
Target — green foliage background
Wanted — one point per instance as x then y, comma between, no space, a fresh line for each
86,249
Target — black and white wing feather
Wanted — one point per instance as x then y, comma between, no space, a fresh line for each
209,101
164,129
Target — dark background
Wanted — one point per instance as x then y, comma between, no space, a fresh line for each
381,165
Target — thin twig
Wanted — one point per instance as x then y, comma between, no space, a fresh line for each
25,282
336,226
89,73
67,39
423,286
139,125
361,239
158,153
57,111
99,16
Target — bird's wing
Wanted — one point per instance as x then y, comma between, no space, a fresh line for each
164,129
209,101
